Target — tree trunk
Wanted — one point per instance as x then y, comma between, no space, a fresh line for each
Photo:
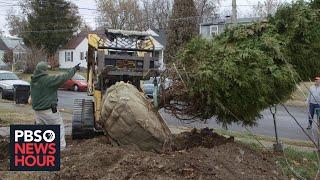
53,61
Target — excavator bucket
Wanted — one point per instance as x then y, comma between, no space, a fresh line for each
83,123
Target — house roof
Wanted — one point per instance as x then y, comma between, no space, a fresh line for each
75,41
12,42
3,46
161,38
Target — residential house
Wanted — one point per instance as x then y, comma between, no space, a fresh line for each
211,27
3,50
16,47
74,52
158,36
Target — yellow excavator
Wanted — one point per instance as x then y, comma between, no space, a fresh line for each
113,56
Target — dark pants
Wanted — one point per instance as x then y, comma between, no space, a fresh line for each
312,110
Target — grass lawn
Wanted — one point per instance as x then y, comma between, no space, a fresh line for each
243,136
298,163
11,113
295,164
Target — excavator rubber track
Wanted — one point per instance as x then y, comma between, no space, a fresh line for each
83,123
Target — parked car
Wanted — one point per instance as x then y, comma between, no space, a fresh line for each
148,86
76,83
7,82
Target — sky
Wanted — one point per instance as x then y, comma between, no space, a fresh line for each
89,14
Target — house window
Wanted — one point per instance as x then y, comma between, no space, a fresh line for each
69,56
16,57
82,56
214,30
157,54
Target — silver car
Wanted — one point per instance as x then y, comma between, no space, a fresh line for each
7,82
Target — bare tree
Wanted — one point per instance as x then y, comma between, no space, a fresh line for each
207,8
85,26
160,13
183,26
15,22
120,14
265,8
32,57
147,12
134,15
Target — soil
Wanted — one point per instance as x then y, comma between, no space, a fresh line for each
4,154
196,155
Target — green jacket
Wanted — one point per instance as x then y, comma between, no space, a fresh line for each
44,87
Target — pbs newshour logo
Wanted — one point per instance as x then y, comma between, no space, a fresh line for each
34,147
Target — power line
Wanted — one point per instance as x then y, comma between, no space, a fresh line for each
49,31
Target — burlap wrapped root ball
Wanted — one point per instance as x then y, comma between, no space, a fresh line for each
130,119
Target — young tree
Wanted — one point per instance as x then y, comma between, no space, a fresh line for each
182,27
232,77
50,24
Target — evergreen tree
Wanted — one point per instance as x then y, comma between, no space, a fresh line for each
315,4
50,25
299,26
232,77
182,27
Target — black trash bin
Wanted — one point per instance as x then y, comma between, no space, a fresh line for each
21,93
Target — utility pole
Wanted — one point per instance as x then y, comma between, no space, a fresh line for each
234,12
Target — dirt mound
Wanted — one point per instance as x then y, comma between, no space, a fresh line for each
4,154
199,138
96,159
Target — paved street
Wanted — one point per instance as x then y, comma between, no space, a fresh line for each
286,126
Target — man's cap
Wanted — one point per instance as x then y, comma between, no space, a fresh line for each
42,66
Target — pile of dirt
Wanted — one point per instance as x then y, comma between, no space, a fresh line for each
4,154
225,159
199,138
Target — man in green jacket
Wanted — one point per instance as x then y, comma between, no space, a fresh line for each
44,96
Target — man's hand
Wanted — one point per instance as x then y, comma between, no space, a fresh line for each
77,67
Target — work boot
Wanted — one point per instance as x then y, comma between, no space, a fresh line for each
309,127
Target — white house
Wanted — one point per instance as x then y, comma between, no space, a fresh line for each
211,27
74,52
3,49
14,45
159,39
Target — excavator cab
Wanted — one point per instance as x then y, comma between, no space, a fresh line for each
113,56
